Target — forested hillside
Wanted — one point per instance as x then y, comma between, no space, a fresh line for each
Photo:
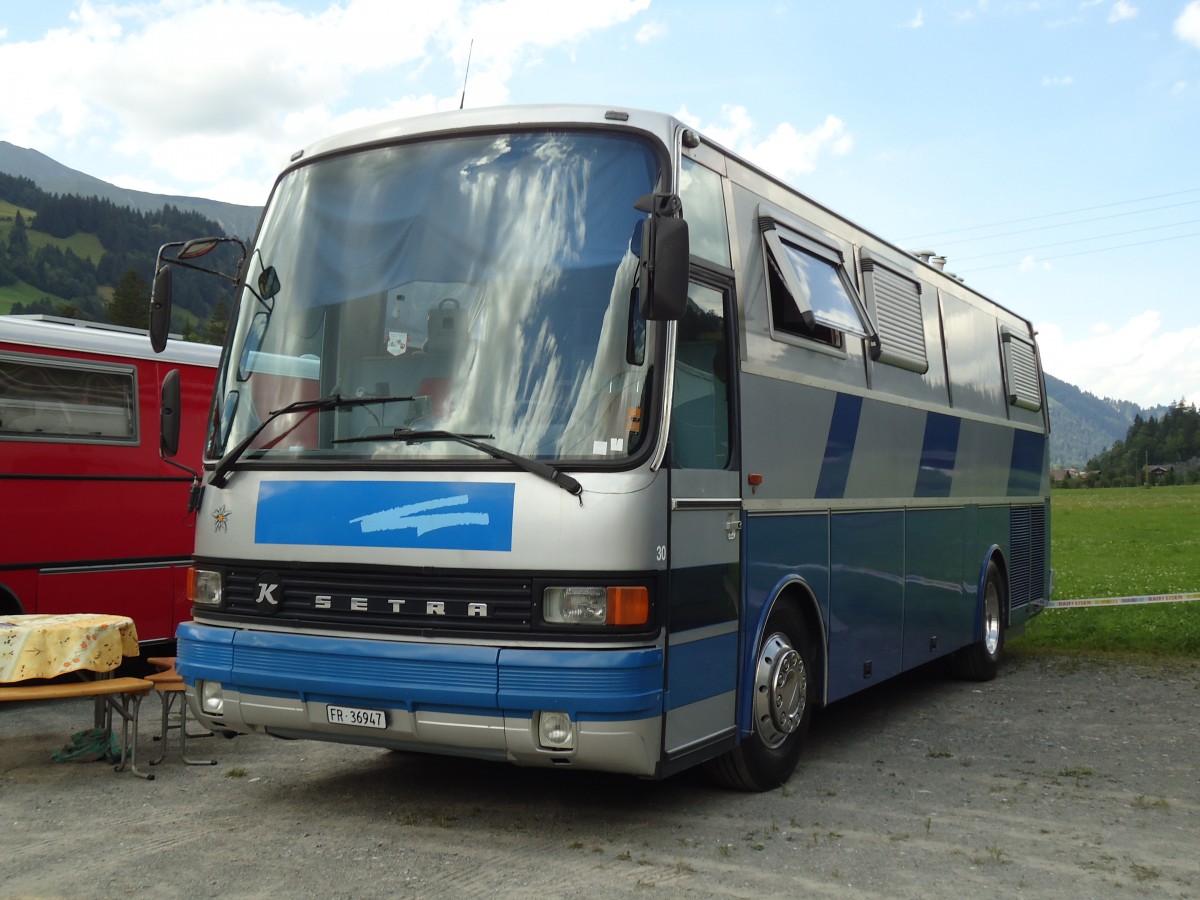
1083,425
86,257
1163,450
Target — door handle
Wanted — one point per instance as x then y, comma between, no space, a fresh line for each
733,526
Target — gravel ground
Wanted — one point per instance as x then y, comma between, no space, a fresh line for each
1059,779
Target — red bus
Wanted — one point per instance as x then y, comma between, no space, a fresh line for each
91,517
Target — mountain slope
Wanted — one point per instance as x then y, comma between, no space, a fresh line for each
55,178
1084,425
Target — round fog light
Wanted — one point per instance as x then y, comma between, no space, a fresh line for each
212,698
555,731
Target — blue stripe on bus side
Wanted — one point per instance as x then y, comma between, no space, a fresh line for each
839,447
1025,471
692,675
938,455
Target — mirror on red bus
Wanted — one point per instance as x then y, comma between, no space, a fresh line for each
168,415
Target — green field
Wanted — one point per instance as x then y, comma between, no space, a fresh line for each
1122,542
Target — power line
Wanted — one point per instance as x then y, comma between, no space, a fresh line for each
1065,224
1098,237
1085,252
1068,212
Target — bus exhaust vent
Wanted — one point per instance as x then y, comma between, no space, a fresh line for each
1027,555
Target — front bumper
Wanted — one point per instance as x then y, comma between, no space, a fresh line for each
476,701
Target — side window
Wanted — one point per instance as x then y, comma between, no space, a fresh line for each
58,400
700,406
811,294
704,209
972,357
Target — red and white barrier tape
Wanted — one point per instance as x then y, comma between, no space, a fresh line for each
1123,601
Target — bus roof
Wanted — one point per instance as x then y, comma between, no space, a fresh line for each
663,126
56,333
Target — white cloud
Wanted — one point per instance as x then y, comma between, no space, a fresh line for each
1187,26
916,21
1135,361
1122,10
786,151
178,91
1033,264
966,15
1057,80
650,32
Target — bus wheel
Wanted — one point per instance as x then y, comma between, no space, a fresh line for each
9,604
981,660
784,691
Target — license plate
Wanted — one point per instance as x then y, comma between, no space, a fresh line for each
352,715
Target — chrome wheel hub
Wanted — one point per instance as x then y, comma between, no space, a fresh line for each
780,690
991,618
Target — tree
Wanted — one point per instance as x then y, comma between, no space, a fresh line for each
18,238
130,304
1173,439
214,328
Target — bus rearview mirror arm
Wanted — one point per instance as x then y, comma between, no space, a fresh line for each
160,292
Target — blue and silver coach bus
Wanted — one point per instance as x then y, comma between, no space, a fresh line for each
563,436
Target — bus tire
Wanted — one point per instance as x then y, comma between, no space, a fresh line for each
981,660
9,604
784,694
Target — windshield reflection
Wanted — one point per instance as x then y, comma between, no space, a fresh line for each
491,279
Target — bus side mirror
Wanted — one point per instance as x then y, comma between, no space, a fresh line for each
168,416
665,258
160,308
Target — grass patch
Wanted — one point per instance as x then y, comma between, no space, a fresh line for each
24,293
1122,542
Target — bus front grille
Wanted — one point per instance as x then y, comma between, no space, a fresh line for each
380,599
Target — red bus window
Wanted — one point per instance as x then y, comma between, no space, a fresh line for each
42,400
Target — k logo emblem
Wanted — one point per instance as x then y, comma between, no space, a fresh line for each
269,594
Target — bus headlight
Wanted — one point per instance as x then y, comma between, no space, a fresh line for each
576,605
204,587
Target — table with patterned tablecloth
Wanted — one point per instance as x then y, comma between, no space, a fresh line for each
46,646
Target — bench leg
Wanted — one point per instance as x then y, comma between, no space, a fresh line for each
168,699
128,706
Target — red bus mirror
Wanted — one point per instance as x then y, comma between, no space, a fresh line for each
168,416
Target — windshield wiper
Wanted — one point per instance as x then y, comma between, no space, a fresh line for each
533,466
334,401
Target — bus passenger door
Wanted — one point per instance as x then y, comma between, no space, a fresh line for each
706,514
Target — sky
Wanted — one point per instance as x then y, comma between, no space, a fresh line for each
1050,149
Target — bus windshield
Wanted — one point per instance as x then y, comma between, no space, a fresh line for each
483,285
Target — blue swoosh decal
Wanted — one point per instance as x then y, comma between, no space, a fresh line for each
427,515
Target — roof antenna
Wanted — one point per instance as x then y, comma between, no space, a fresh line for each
466,73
